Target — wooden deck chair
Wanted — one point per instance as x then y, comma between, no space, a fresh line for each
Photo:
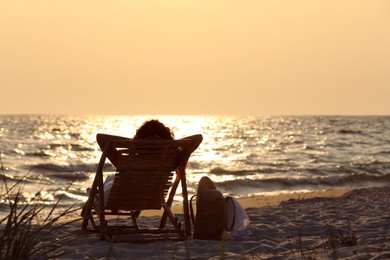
143,177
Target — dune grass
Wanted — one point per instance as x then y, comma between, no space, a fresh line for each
26,225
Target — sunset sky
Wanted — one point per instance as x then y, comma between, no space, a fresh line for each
245,57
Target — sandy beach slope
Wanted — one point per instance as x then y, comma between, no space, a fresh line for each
354,225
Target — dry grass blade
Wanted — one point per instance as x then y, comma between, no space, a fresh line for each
22,235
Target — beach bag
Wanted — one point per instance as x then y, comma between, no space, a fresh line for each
211,215
237,219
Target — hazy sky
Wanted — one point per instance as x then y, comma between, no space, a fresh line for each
260,57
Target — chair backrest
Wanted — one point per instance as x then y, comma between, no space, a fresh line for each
144,172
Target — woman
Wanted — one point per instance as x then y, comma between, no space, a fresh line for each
149,129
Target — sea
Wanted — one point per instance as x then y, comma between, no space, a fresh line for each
56,156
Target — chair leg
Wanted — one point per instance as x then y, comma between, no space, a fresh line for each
86,211
84,224
134,216
92,222
86,214
187,222
172,218
100,208
169,201
102,220
103,226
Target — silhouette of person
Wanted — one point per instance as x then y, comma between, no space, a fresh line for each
149,129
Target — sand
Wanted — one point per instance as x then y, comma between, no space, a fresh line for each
322,225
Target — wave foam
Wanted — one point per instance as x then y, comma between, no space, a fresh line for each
327,181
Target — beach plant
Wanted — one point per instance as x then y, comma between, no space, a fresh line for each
339,238
22,233
332,238
335,237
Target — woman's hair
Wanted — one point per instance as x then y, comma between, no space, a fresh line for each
154,128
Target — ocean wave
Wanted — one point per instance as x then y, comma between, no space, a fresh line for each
371,163
386,152
39,154
373,167
315,168
331,181
12,179
64,168
69,176
47,153
223,171
6,178
354,132
309,148
19,151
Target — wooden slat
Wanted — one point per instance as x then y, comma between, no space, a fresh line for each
144,173
149,143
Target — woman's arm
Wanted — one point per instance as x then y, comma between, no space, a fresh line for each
196,140
103,139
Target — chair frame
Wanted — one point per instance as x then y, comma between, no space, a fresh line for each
95,205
